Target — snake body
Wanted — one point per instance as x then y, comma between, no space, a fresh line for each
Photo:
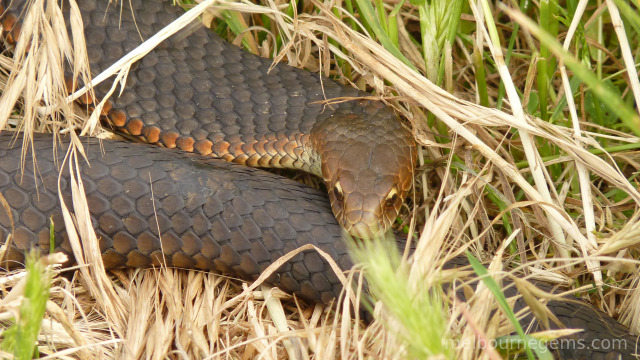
199,94
222,217
212,215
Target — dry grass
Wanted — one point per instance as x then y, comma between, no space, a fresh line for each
186,314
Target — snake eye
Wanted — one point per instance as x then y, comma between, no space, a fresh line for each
337,192
392,196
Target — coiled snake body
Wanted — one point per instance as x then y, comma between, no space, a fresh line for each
199,94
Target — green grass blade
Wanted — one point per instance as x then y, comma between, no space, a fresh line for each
52,236
450,26
369,15
543,82
628,13
481,81
610,150
392,27
20,338
236,23
492,285
382,16
524,7
349,7
420,312
624,111
515,344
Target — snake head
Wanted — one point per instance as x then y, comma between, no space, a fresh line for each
367,163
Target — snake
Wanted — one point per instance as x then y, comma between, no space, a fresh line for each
196,92
199,200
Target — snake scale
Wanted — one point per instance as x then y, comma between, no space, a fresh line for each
209,99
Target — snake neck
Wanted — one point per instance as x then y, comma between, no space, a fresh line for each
280,149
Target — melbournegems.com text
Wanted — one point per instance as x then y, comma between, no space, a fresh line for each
556,344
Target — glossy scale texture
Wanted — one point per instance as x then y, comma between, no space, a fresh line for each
212,215
199,93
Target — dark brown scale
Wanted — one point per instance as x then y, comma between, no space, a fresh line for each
202,88
222,227
245,219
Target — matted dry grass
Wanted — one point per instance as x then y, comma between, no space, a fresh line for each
161,313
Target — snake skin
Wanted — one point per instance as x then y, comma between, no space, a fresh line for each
212,215
199,93
216,216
